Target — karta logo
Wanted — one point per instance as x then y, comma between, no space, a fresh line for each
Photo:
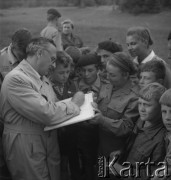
151,169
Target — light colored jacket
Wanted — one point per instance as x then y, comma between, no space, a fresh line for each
52,33
26,108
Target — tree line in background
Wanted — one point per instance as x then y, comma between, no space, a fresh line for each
131,6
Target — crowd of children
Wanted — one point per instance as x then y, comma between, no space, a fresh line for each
132,104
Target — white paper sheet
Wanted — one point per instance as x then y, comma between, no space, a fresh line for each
86,113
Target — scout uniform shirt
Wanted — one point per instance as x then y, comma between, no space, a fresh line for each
71,40
7,61
120,111
88,134
149,143
26,112
51,32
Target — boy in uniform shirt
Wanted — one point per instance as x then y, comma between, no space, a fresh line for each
88,133
165,102
146,144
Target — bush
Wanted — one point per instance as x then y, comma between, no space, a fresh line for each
141,6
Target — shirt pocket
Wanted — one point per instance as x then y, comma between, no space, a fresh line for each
116,108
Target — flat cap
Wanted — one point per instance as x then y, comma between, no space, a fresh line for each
54,12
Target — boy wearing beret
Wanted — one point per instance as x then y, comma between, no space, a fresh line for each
105,50
88,133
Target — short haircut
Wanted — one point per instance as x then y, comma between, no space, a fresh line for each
52,14
123,61
36,44
21,39
142,33
68,21
166,98
152,91
155,66
63,58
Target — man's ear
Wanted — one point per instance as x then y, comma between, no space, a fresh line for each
39,53
161,81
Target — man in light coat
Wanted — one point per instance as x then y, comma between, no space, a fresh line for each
30,152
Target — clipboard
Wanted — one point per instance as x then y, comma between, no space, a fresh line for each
86,113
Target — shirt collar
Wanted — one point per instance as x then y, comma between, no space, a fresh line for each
12,58
124,90
147,59
31,72
150,131
95,86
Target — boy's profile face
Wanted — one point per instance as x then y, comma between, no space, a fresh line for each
147,78
61,73
166,116
149,110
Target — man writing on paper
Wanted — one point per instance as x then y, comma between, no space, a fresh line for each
30,152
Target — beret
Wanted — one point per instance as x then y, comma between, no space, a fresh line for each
54,12
110,46
88,59
166,98
74,52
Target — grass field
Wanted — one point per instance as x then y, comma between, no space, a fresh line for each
93,24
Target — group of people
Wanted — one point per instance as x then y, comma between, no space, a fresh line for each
132,104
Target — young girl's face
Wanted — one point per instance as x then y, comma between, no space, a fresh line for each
166,115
